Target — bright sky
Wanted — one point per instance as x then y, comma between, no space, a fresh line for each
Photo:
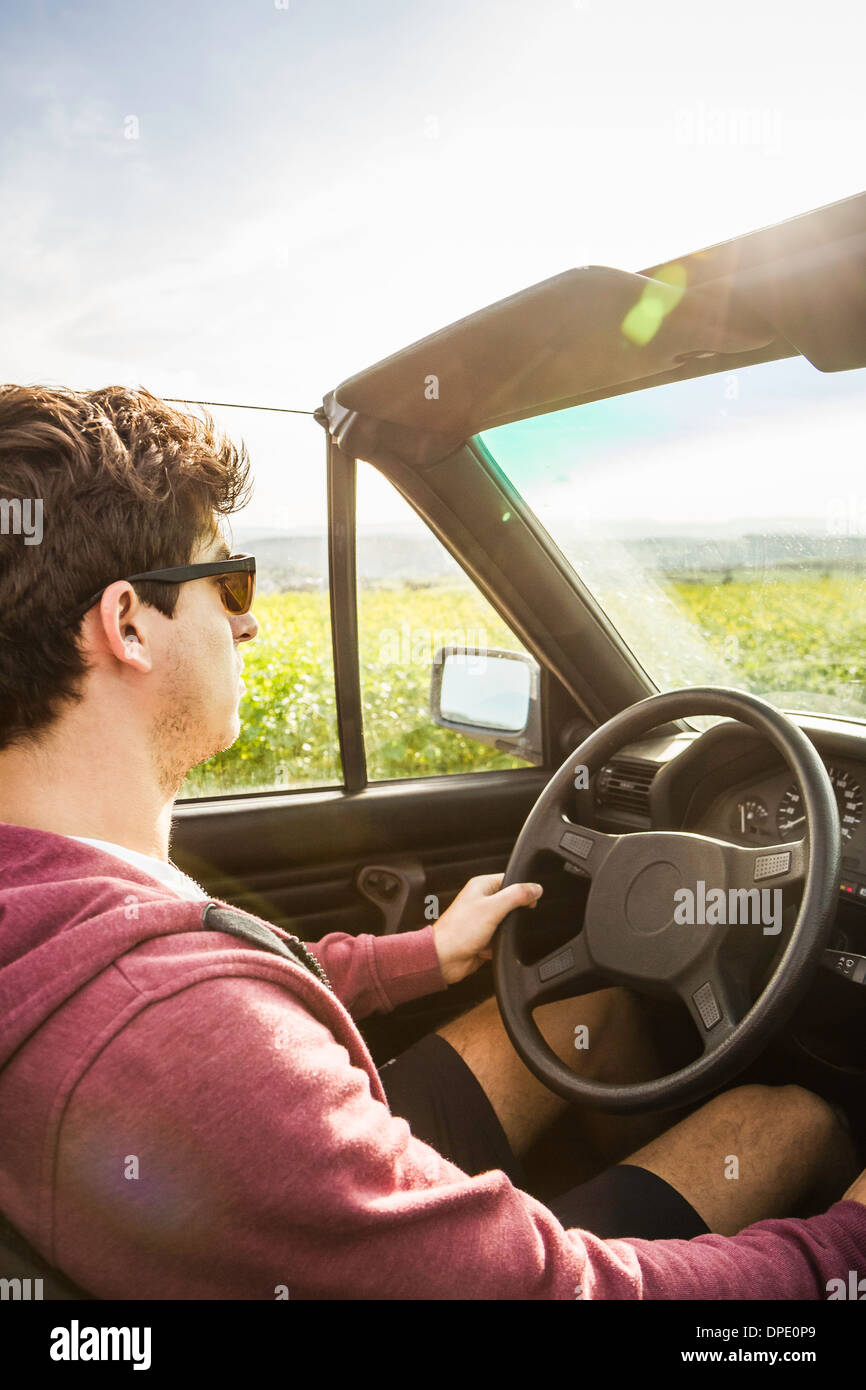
249,200
781,442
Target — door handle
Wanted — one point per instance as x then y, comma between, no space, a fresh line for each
396,888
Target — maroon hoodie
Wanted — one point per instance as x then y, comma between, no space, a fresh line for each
186,1116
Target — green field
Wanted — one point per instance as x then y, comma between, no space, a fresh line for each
801,634
289,725
788,633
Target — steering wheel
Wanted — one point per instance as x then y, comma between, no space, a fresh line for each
629,934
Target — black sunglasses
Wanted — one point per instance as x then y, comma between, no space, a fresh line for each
237,577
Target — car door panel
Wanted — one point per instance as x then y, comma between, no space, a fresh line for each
294,860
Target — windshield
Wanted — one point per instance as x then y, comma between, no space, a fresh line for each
721,524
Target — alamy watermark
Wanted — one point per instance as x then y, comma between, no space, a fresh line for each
846,515
22,516
853,1288
21,1290
77,1343
715,908
734,126
426,646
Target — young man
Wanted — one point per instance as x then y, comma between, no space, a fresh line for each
183,1115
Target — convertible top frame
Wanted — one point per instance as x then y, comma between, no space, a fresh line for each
560,343
795,288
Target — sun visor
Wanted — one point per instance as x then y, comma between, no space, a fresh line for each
816,299
590,329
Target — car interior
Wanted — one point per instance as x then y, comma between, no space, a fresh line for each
685,779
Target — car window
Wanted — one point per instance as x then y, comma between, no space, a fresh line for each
414,599
288,736
721,524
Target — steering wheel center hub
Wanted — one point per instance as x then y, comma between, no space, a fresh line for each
649,902
632,924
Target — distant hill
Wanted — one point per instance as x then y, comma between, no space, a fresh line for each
298,560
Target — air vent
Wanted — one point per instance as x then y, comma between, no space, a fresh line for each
623,785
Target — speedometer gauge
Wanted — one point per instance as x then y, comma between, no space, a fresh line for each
849,799
791,818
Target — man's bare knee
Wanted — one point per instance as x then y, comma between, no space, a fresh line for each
790,1101
799,1114
754,1152
811,1107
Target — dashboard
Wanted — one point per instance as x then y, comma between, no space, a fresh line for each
769,810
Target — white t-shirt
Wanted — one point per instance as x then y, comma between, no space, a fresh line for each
180,883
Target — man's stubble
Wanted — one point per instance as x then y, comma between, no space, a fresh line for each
182,732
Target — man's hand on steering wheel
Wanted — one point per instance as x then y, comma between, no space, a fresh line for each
464,931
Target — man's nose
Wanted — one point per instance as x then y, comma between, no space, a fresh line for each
244,626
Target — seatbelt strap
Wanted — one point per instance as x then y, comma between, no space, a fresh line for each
240,924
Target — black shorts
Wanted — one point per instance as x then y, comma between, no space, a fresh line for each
431,1087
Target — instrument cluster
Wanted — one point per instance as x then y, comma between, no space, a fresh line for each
770,812
782,817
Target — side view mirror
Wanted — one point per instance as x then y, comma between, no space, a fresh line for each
490,695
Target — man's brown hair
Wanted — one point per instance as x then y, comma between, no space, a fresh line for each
126,483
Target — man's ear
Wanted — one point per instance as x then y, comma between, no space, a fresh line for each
124,627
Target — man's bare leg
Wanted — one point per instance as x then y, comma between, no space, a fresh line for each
621,1049
791,1150
785,1144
